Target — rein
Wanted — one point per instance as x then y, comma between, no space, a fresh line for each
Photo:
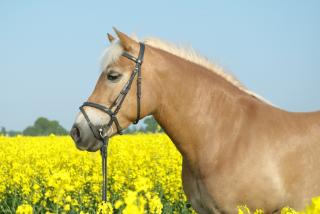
101,132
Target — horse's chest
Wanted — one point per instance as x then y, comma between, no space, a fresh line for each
197,194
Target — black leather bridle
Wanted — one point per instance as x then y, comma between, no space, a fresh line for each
101,132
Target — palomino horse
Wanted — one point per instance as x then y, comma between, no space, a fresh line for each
237,149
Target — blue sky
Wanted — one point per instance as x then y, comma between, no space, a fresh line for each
49,50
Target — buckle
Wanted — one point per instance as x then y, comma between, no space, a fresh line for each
139,61
102,134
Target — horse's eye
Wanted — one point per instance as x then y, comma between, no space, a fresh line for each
113,76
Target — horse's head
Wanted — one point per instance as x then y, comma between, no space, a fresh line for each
115,102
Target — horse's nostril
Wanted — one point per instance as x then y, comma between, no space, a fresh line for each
75,133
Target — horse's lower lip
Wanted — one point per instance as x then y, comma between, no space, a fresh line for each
94,148
80,147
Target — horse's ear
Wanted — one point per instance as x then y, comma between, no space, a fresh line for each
110,38
127,43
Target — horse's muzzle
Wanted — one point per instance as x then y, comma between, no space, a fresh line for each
80,139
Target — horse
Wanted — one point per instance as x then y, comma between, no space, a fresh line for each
237,148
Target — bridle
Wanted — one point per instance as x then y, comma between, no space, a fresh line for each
101,132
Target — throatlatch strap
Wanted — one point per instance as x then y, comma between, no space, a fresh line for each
139,79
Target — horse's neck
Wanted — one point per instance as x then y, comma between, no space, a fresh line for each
194,103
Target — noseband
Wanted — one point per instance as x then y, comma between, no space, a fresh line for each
101,132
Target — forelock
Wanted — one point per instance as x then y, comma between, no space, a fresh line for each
110,55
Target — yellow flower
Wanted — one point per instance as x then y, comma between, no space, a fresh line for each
258,211
24,209
155,205
314,207
66,207
243,209
68,198
118,204
287,210
105,208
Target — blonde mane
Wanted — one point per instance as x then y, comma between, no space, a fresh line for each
114,52
191,55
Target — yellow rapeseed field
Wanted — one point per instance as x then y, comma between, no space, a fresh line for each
49,175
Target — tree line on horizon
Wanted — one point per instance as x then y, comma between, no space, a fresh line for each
44,127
